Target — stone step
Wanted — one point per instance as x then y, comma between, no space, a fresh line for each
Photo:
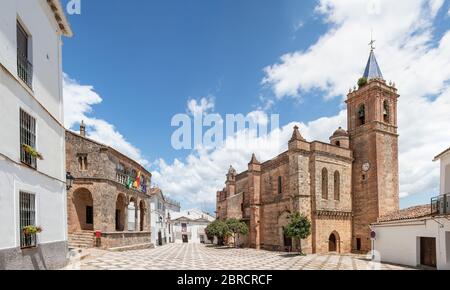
132,247
79,246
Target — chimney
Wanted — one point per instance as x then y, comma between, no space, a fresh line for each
82,129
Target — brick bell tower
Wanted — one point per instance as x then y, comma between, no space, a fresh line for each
372,125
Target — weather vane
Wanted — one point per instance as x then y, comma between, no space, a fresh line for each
372,41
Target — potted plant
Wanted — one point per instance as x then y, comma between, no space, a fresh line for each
30,150
31,230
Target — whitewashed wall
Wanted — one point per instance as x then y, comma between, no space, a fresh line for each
399,243
45,104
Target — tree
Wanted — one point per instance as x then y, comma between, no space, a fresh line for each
218,229
299,228
236,227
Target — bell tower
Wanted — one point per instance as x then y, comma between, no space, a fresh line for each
372,125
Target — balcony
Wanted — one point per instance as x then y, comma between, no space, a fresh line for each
441,205
25,69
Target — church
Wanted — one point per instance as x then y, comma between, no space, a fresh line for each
342,186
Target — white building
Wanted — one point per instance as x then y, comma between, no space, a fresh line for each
419,236
172,206
161,210
189,226
32,151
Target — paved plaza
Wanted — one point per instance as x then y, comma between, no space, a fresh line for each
201,257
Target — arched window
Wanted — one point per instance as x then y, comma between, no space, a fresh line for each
280,185
386,112
337,185
362,115
324,183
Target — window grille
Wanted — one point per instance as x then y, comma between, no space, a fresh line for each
27,137
27,218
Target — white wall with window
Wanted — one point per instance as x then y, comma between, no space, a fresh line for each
189,226
158,218
32,149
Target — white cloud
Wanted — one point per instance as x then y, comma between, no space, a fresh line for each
403,30
195,181
78,102
405,51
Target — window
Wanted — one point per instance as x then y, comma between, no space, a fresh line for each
89,215
337,185
324,183
280,185
24,67
386,112
82,162
338,143
184,227
27,138
27,218
362,115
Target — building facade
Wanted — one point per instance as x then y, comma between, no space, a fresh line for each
110,196
32,157
161,209
172,206
342,186
419,236
189,226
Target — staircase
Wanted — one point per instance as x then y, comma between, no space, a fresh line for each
83,239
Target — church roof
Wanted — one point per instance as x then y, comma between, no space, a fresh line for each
340,133
373,70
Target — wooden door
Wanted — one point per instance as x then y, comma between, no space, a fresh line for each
428,252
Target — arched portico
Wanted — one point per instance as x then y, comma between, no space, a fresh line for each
81,217
121,212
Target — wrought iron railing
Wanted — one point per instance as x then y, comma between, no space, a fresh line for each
25,69
440,205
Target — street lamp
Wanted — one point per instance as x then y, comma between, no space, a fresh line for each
69,180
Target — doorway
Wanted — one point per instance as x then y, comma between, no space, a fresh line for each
332,245
287,242
185,239
160,242
428,252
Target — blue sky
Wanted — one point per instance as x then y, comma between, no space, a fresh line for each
142,61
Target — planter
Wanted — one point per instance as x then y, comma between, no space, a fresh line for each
33,153
31,230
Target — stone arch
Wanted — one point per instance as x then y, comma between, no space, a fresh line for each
81,218
386,112
283,220
361,117
334,242
121,212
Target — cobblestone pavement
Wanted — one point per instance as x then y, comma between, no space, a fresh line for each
201,257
